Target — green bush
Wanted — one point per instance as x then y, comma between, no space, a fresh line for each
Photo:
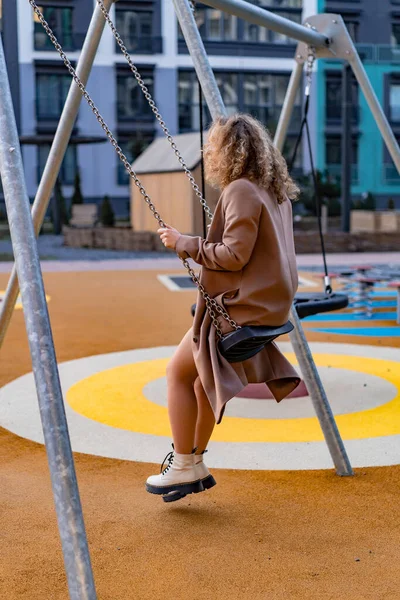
107,217
77,197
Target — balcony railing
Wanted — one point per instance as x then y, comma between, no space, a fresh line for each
391,175
335,171
380,53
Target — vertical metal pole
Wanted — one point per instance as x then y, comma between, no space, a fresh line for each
200,60
346,147
301,348
62,470
297,337
57,151
288,105
375,107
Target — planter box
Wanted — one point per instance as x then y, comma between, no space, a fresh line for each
375,221
113,238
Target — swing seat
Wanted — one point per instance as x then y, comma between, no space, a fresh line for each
313,304
243,343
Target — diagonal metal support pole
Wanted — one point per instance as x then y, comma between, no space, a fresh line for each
57,152
51,404
298,339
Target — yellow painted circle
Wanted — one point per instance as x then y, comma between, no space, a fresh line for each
115,397
18,304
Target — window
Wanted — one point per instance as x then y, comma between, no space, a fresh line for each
395,37
51,92
334,97
215,25
394,101
333,149
268,4
136,29
132,148
60,21
131,103
68,167
352,27
255,33
259,94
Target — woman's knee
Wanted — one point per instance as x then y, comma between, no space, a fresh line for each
180,371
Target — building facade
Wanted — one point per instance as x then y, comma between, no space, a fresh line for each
375,29
252,66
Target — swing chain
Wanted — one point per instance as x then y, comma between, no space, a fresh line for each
211,304
154,108
311,57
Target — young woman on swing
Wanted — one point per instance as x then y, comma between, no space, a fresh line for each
248,265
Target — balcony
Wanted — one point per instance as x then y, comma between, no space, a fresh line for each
335,171
391,175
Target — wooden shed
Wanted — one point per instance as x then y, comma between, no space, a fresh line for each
169,187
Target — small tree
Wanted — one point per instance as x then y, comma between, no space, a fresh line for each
62,207
77,197
369,202
107,217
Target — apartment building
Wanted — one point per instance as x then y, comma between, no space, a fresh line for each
375,29
252,66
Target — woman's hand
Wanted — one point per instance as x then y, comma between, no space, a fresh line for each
169,236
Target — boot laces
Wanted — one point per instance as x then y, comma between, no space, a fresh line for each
170,459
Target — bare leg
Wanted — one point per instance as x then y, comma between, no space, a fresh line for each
182,402
205,419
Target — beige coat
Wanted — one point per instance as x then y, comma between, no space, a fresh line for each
248,263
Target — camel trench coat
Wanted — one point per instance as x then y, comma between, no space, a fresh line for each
248,265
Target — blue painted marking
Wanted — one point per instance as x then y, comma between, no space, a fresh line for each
367,331
383,316
383,304
383,294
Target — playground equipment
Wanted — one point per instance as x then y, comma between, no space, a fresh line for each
324,36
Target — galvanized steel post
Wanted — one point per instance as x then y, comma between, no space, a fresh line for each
52,412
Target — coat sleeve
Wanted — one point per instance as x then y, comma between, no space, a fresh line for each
242,209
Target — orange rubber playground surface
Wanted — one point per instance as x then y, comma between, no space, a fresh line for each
280,524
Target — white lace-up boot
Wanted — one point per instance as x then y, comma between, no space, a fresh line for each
207,479
178,479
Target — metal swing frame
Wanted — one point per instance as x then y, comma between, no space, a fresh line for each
328,35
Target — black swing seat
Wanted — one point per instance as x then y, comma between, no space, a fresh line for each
312,304
243,343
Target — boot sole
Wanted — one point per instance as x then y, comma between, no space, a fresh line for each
174,496
181,489
208,482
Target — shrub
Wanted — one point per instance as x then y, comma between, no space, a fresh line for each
107,217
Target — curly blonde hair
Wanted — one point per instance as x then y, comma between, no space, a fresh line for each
239,146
